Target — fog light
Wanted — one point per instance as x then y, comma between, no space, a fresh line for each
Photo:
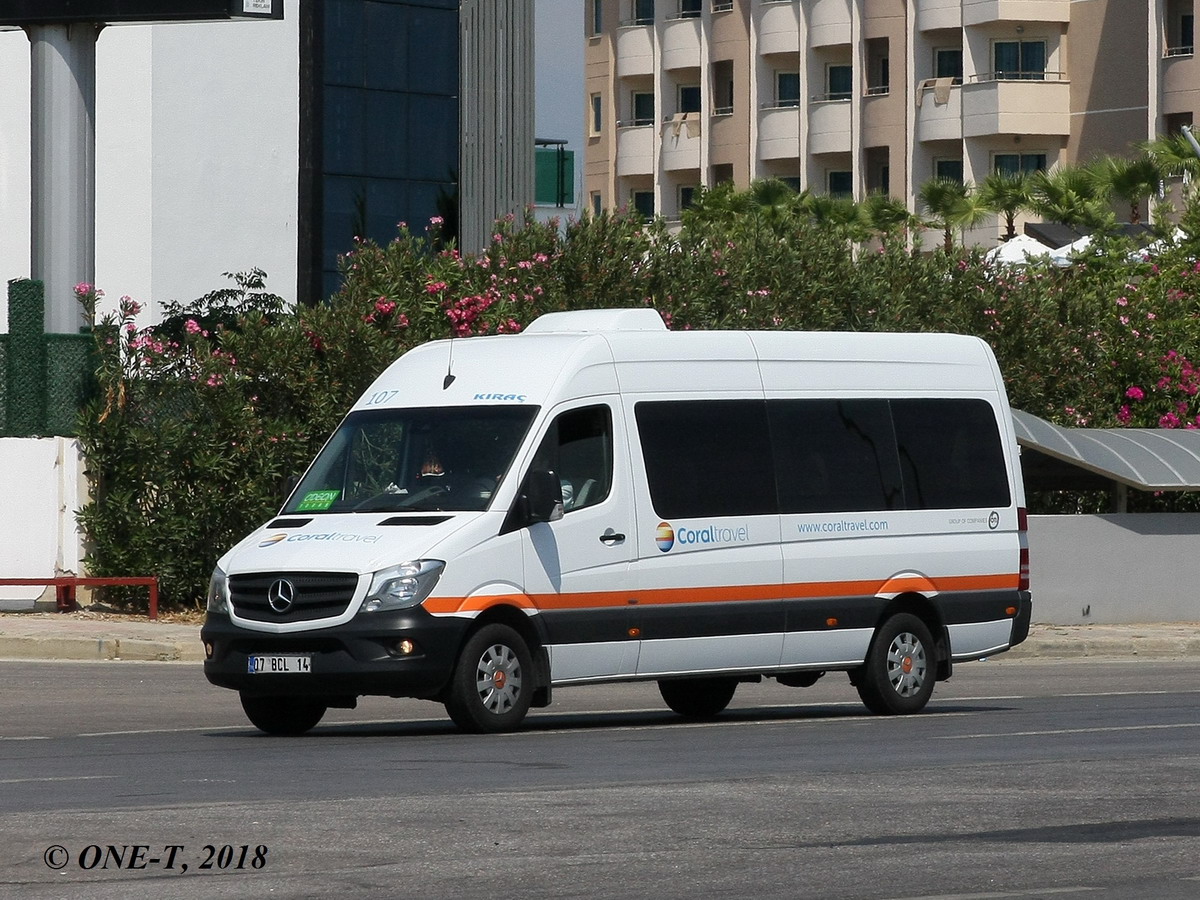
208,650
406,647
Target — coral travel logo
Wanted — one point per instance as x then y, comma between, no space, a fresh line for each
273,539
664,537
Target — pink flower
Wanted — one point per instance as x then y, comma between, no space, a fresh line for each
1170,420
436,220
1135,393
1124,415
384,306
192,326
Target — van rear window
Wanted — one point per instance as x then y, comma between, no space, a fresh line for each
753,457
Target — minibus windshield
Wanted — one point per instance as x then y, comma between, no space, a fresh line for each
423,459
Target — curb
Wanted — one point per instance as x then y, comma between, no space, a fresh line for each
54,637
103,648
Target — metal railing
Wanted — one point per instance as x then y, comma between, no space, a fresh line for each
66,585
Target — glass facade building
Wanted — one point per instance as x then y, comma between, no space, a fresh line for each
379,126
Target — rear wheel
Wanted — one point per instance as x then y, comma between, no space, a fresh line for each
899,673
698,698
492,684
282,715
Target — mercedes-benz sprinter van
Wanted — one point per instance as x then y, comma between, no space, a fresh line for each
599,499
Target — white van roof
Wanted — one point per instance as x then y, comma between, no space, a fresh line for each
591,352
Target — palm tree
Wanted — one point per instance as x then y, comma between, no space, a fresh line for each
840,213
1174,156
944,200
887,216
1008,194
1067,194
1130,180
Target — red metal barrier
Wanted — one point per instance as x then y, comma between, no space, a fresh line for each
65,585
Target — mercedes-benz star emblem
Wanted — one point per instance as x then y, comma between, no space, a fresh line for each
281,595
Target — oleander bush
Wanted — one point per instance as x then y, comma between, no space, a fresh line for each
200,422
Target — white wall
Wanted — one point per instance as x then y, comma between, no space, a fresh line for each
196,157
1115,569
40,491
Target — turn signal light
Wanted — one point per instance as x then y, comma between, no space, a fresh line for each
1011,611
831,622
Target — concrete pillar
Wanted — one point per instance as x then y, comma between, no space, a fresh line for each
63,62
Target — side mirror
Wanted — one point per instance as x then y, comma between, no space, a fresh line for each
539,500
544,491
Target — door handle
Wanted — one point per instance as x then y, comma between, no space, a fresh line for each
611,537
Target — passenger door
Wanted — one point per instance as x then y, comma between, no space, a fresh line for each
577,568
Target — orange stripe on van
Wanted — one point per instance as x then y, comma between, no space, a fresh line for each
722,594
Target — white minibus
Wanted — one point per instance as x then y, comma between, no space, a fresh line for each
599,499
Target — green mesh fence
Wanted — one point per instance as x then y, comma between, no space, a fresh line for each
44,378
3,384
68,381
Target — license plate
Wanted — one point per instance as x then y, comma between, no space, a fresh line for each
278,665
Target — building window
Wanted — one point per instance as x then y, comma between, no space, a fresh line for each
1014,163
787,88
1019,60
947,63
643,12
948,170
643,108
792,181
597,115
643,202
687,193
722,82
841,184
689,9
597,205
689,98
597,17
839,82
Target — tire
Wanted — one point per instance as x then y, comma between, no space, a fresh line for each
899,673
697,698
492,685
288,716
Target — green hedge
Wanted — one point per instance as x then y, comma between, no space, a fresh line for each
199,423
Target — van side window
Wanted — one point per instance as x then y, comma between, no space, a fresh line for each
707,457
578,448
950,454
834,456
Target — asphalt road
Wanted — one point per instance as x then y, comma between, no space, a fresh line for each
1022,779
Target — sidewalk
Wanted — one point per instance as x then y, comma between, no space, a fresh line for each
86,636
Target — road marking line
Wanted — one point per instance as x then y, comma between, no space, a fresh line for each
960,737
58,778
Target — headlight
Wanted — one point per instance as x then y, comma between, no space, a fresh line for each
218,592
402,586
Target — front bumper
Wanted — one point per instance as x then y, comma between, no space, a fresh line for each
358,658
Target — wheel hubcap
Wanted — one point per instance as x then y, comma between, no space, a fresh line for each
498,678
906,664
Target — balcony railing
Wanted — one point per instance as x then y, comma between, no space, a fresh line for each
1179,51
881,90
1019,75
633,23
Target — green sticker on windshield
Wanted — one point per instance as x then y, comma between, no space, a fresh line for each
315,500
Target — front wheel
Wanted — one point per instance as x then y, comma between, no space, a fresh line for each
492,684
698,698
898,676
282,715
